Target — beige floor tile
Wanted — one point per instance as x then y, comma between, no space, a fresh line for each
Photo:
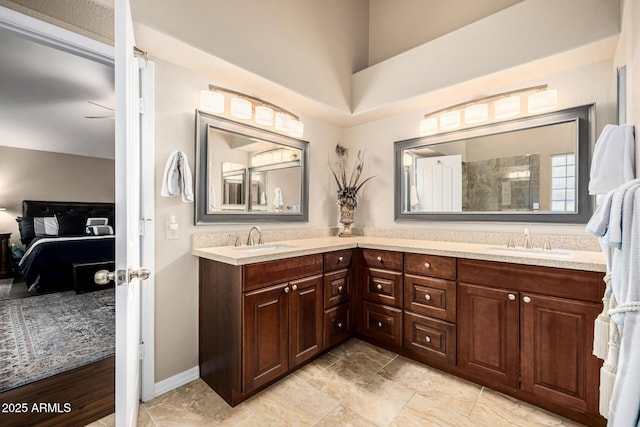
144,419
108,421
194,404
345,417
363,354
291,402
421,411
500,410
317,366
365,392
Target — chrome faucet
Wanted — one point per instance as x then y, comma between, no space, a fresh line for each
527,239
250,241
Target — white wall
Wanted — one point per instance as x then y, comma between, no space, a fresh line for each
591,84
177,97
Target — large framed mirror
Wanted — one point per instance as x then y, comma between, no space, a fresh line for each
532,169
247,174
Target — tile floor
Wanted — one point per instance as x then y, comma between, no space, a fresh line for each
356,384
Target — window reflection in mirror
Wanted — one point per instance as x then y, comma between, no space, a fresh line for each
499,172
248,174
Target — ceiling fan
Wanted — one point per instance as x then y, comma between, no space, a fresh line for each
110,116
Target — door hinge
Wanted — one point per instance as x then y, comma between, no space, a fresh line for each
141,106
141,351
141,227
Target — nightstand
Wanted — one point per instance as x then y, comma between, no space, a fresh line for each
4,255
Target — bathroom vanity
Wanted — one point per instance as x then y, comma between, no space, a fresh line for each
521,324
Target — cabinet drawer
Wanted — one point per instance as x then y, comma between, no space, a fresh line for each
337,260
382,286
431,297
337,324
382,322
262,274
430,265
430,338
382,259
337,288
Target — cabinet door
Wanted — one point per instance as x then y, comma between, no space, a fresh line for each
488,328
265,336
382,286
306,318
337,288
557,339
337,324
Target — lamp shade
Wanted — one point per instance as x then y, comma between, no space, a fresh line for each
428,126
546,100
296,128
241,108
476,113
212,101
264,115
506,107
282,122
450,120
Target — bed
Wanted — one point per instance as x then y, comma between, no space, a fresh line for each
56,239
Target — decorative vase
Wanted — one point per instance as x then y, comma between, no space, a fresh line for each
346,219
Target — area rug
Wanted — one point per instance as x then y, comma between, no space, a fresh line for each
5,288
47,334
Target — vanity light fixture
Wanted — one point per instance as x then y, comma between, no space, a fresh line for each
494,107
244,107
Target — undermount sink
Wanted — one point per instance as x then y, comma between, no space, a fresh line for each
545,253
261,248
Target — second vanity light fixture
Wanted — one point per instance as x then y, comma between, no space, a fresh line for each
242,106
505,105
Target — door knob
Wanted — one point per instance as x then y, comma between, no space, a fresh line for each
378,286
340,259
286,289
294,287
427,297
379,259
141,273
511,297
103,277
339,288
427,265
526,299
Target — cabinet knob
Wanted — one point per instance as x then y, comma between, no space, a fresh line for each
340,258
427,297
379,324
286,289
340,288
427,338
378,286
526,299
339,325
294,287
427,265
379,259
511,297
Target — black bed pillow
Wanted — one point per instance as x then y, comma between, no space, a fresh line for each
71,224
27,232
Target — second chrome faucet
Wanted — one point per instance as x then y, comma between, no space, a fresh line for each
250,239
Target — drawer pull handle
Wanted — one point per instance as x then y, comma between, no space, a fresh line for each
379,324
340,258
427,265
340,288
511,297
286,289
379,259
294,287
339,325
428,339
427,297
526,299
379,286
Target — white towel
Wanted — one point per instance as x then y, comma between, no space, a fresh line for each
177,177
277,198
415,200
613,161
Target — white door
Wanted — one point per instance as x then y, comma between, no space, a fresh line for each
439,183
128,236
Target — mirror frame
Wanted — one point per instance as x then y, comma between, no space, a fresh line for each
583,117
203,122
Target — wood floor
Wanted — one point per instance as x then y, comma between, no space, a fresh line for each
72,398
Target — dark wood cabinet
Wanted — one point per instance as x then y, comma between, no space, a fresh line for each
5,255
338,297
338,324
530,334
488,327
305,319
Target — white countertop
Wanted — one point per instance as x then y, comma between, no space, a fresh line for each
576,260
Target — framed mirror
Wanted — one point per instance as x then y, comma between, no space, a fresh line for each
248,174
532,169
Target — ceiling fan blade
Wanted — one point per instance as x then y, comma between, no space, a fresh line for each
100,105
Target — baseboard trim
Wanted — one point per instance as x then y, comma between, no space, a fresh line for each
176,381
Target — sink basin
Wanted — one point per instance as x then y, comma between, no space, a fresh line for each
261,248
553,253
